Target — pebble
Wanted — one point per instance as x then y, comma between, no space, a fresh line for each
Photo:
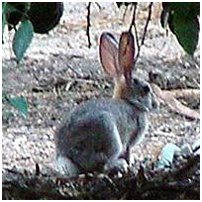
186,150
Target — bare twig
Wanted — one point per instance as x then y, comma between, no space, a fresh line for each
147,23
124,14
144,32
98,5
88,25
134,24
133,19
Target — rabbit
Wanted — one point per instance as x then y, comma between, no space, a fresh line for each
98,134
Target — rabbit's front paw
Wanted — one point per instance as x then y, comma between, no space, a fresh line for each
118,165
66,167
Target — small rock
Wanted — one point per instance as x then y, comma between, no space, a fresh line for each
186,150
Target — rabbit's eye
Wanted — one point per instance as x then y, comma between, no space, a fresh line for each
135,81
146,89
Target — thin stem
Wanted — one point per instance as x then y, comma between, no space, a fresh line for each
88,25
133,19
135,27
144,32
147,23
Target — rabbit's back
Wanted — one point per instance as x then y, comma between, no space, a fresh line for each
121,113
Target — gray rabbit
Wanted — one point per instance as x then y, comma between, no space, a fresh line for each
98,134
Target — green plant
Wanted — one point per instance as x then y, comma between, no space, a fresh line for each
182,19
24,34
33,17
19,103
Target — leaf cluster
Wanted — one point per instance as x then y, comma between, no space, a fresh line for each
32,17
182,19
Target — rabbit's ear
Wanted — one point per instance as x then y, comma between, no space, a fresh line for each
109,54
126,54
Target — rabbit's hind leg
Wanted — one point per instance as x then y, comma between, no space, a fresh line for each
100,143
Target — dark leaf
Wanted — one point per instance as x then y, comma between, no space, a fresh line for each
45,16
186,29
16,12
182,18
186,8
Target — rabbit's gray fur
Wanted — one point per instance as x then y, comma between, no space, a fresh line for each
96,133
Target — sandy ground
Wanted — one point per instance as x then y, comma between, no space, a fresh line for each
64,53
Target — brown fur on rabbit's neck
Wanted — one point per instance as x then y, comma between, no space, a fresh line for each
121,89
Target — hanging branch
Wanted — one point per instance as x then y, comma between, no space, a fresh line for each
147,23
134,24
124,14
133,19
139,45
98,5
88,25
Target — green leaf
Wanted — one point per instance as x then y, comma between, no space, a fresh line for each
167,155
22,39
20,103
186,29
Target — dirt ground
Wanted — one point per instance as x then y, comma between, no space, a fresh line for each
60,71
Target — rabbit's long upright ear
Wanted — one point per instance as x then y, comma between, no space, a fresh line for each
109,54
126,54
